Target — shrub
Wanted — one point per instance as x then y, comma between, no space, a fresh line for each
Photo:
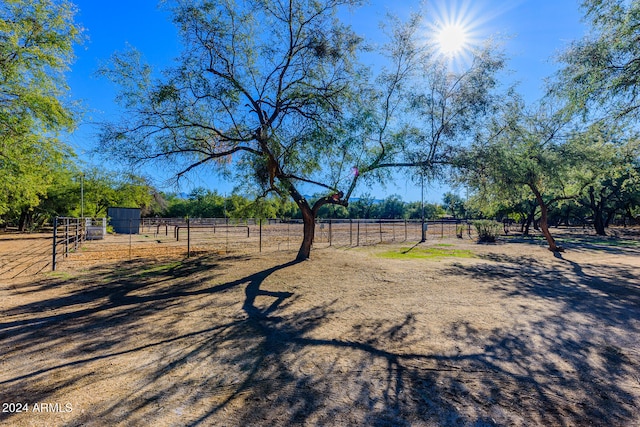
488,231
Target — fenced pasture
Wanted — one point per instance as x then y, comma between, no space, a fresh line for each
170,237
505,334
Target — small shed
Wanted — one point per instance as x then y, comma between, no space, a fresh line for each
124,220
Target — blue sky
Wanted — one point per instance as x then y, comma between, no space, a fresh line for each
534,31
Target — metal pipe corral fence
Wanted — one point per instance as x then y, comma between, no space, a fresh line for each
164,237
68,235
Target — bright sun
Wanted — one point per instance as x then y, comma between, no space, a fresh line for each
452,39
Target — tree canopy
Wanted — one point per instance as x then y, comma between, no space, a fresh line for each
603,68
36,48
274,92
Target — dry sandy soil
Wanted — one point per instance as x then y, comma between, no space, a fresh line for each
511,336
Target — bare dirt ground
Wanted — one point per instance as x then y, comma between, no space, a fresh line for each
505,334
23,255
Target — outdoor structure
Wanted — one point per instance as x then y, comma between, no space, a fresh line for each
124,220
96,228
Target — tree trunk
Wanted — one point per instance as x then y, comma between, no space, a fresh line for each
611,214
309,228
633,219
544,208
308,215
598,220
24,220
529,220
598,223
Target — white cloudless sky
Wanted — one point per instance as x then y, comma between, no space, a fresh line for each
533,32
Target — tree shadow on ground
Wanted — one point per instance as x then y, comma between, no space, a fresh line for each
238,351
615,244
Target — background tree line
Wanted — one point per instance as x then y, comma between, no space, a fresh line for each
203,203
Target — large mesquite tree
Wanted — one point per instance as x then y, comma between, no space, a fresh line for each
601,79
538,152
271,90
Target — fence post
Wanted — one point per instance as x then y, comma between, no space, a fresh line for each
55,242
260,233
441,229
350,232
66,237
77,237
366,233
358,235
329,231
405,230
380,230
130,230
188,238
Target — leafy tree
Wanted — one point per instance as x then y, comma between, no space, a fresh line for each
454,205
110,189
268,207
525,211
333,211
431,211
36,48
364,207
527,150
207,204
604,66
62,198
601,78
609,173
392,207
176,207
135,192
272,90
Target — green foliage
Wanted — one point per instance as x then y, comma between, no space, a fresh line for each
488,231
604,66
203,203
454,205
255,82
110,189
36,48
600,80
525,153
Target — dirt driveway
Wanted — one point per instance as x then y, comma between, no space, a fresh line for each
445,333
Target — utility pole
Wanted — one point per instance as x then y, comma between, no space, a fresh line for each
424,234
82,195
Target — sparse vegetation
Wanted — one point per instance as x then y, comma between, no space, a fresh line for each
438,251
488,231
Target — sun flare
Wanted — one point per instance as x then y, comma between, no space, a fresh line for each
455,30
452,39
